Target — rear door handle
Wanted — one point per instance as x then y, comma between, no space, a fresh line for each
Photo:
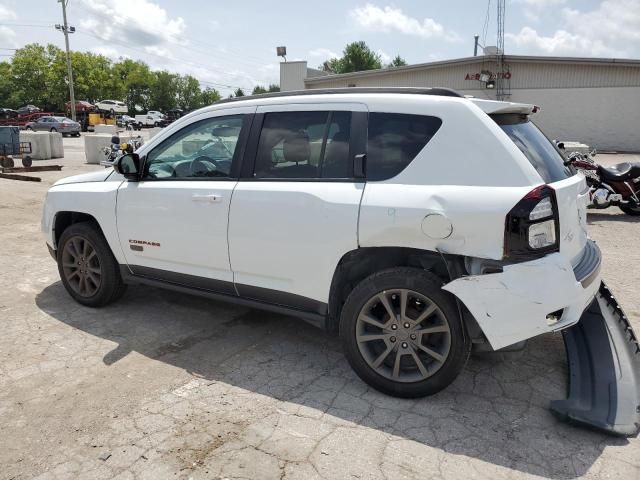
213,198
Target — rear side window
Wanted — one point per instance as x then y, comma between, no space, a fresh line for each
540,152
304,145
394,140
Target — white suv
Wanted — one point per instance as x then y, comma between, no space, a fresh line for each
112,106
413,222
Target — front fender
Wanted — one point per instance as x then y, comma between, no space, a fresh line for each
97,199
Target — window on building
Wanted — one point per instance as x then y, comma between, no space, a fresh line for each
394,140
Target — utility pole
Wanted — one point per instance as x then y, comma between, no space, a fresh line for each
66,30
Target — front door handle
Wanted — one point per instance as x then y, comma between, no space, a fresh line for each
213,198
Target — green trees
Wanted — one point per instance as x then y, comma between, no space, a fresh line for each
38,75
398,61
258,89
356,57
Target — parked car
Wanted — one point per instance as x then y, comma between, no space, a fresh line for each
28,109
81,106
147,121
8,113
112,106
413,223
171,116
64,125
125,121
156,114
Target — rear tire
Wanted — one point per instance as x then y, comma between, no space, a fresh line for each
53,130
420,350
633,211
87,268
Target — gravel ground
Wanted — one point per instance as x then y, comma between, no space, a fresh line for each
164,385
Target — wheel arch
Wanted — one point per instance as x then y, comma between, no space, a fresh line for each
64,219
356,265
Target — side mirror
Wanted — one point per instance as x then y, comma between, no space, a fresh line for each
128,165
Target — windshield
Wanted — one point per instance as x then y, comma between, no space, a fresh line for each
540,152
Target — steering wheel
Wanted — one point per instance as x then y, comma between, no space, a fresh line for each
202,166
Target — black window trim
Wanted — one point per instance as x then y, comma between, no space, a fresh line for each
236,164
358,125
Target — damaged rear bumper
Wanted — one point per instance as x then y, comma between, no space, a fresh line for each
604,369
530,298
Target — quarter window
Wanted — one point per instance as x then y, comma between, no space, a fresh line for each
302,145
394,140
204,149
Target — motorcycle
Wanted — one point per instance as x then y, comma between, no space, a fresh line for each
117,149
618,185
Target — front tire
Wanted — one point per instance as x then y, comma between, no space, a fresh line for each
402,334
87,268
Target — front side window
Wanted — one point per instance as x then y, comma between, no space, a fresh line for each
303,145
394,140
204,149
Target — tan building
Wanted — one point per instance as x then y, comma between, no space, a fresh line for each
591,100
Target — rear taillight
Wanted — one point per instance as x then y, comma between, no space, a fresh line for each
532,227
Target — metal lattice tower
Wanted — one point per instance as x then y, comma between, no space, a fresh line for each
500,88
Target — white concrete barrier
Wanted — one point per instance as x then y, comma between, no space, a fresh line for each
40,144
154,131
102,128
57,147
93,145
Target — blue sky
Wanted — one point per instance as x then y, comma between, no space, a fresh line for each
230,44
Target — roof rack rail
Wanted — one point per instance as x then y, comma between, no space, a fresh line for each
444,92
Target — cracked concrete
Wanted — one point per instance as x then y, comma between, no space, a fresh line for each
164,385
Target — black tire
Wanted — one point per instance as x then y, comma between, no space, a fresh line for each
111,287
29,129
53,130
427,286
629,210
76,134
27,161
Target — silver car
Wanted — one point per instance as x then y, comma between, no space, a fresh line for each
64,125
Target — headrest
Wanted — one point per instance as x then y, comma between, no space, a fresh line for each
296,147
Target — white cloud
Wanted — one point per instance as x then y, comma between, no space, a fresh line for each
390,19
611,29
323,52
6,14
109,52
560,43
533,9
141,22
385,58
7,35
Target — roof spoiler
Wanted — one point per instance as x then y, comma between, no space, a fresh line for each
492,107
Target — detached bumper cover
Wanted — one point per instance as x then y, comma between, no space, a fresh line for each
513,305
604,369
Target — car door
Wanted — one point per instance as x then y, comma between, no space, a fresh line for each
294,213
41,124
172,224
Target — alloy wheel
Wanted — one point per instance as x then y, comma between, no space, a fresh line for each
81,266
403,335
